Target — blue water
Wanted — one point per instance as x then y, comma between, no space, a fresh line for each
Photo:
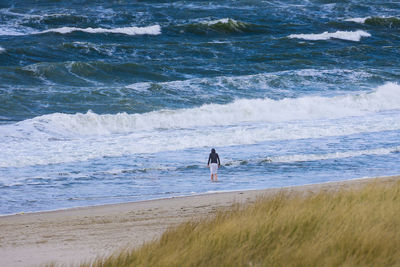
117,101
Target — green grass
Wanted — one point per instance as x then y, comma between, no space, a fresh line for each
345,228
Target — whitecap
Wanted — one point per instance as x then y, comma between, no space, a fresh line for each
224,20
357,20
343,35
233,24
149,30
386,97
11,31
85,136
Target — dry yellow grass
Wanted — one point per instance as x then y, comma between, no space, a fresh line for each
345,228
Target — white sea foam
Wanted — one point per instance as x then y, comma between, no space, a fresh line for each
318,157
140,87
150,30
58,138
386,97
336,155
35,148
262,81
343,35
12,31
2,50
230,23
358,20
213,22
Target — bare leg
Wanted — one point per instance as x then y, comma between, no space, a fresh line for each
212,177
216,177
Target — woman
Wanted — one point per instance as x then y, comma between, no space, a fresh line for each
215,163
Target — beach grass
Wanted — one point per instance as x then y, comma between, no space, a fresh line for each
353,227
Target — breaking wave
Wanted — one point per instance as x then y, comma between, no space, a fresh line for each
59,138
13,31
357,20
386,97
390,22
225,26
343,35
149,30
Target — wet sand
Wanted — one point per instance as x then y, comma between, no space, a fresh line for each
69,237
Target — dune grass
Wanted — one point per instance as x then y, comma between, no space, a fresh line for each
344,228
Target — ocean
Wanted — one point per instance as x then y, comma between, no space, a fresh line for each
116,101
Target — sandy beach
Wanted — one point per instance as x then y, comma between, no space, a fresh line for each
69,237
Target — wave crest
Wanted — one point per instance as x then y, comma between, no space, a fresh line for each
149,30
343,35
357,20
266,110
226,26
390,22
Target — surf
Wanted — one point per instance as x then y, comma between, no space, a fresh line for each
313,157
85,136
354,36
149,30
266,110
219,26
390,22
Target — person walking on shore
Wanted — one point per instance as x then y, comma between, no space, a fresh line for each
213,163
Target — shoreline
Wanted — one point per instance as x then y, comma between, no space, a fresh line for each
74,235
183,196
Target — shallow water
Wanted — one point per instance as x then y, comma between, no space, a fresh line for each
107,102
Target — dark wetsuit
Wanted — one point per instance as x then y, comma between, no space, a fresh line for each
213,158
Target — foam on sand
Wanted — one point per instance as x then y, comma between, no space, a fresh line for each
343,35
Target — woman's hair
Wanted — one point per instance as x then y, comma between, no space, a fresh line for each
212,150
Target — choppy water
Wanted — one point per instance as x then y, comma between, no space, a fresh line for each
115,101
